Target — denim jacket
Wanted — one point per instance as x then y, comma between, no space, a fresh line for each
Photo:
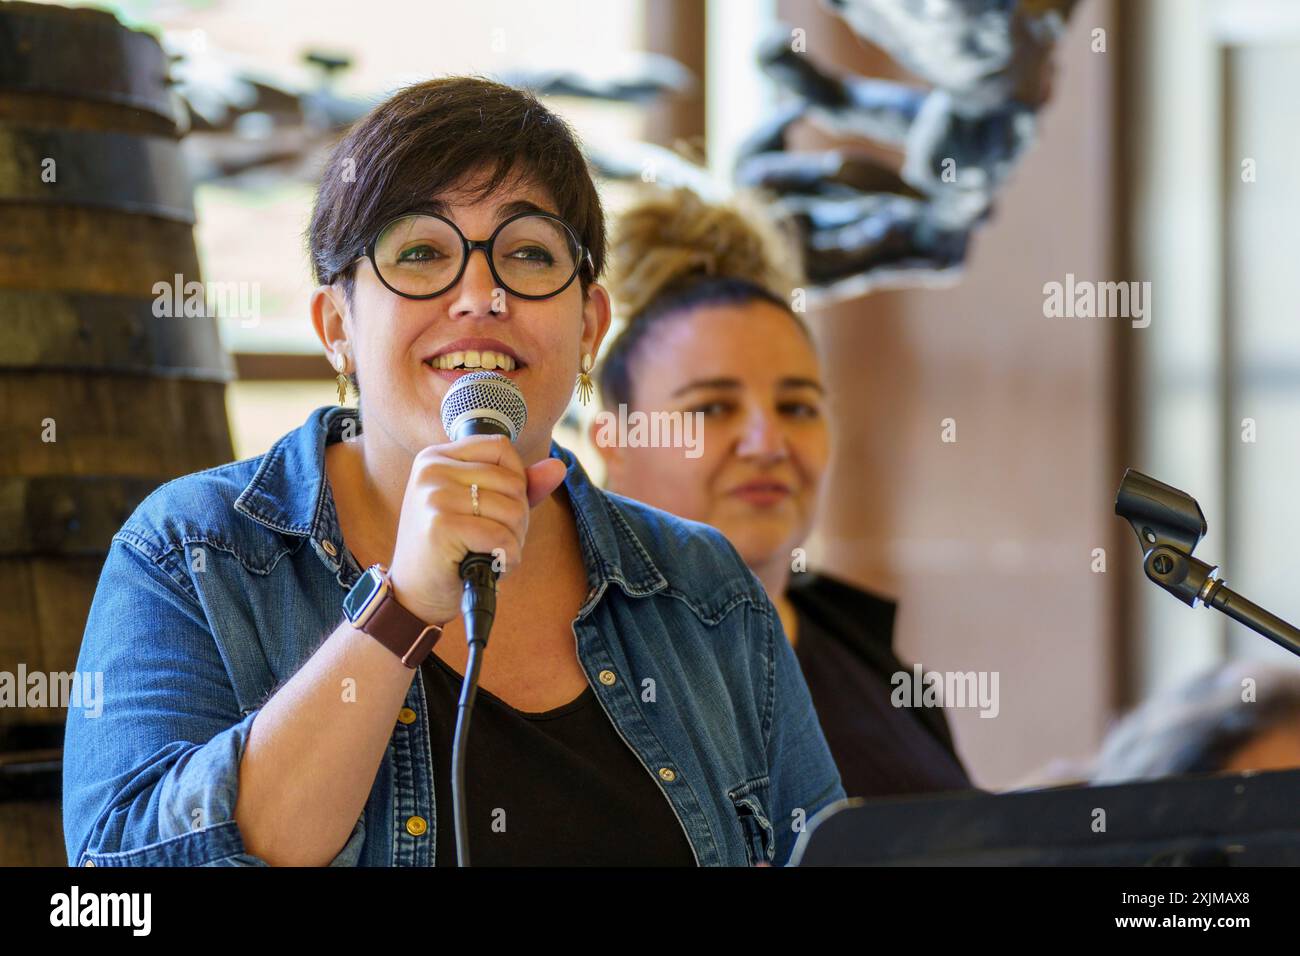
223,583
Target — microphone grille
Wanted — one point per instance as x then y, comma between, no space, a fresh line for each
489,391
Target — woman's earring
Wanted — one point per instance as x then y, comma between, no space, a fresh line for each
341,366
584,380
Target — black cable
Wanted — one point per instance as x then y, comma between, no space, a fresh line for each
478,609
468,691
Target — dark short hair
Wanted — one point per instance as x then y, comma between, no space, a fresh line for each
428,138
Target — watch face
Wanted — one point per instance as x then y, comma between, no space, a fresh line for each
367,587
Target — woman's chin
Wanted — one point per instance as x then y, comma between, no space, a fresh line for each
762,543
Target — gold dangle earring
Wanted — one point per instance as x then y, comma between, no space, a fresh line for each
341,366
585,387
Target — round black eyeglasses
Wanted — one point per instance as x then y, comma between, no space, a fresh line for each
531,255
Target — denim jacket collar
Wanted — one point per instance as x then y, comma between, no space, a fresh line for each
288,494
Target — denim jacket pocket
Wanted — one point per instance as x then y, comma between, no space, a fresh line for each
750,801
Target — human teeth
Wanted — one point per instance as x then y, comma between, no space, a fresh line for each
474,359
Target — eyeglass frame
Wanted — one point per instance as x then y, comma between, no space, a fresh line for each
368,252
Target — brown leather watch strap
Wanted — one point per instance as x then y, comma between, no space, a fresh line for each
402,632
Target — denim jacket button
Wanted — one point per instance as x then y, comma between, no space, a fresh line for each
329,548
406,716
607,678
416,826
666,774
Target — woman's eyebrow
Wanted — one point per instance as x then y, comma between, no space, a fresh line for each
790,381
796,382
503,211
707,383
506,210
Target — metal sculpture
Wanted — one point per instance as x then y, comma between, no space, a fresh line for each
863,224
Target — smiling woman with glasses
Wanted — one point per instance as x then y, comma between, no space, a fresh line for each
281,638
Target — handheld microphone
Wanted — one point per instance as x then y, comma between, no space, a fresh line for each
481,403
478,403
484,403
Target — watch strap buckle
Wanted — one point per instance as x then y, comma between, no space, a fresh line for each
423,646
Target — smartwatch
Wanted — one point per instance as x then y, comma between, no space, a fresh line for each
371,608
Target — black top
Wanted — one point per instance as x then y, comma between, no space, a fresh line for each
559,788
845,649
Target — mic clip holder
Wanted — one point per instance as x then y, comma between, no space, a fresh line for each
1169,525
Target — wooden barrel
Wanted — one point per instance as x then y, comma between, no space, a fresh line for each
101,399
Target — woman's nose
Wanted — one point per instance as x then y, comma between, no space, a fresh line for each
477,292
762,436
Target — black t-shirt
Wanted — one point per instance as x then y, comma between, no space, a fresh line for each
845,650
559,788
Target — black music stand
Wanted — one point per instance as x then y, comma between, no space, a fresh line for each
1241,819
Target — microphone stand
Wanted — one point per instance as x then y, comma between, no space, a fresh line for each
1169,524
1194,582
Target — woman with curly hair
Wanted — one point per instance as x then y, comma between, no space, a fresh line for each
705,291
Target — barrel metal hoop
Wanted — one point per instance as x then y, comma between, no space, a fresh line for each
43,50
124,171
110,334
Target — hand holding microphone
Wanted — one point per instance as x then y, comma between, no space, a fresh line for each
482,414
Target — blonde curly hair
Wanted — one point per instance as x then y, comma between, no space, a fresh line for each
671,235
672,251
